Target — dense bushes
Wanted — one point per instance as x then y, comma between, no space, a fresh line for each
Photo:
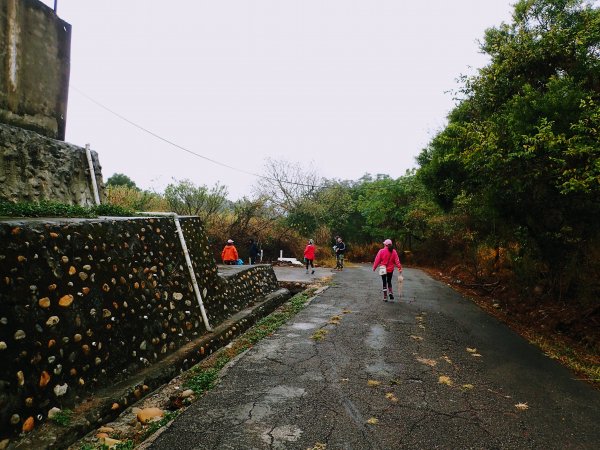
46,208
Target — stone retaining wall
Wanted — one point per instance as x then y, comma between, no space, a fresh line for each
34,168
86,303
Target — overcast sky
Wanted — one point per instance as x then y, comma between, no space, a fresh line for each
350,86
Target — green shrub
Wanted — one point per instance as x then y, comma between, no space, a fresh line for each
63,417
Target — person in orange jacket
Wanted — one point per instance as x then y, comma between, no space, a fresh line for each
229,255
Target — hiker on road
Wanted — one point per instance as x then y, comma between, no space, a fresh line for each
340,249
385,261
309,255
229,255
253,252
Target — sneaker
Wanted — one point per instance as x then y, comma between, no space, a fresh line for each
313,272
385,295
307,272
391,296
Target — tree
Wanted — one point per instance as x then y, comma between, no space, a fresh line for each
523,143
396,208
185,198
119,179
287,184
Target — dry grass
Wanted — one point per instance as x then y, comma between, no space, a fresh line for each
135,199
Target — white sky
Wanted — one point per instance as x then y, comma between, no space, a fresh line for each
350,86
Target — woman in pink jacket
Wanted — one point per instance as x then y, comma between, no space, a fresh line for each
309,255
387,257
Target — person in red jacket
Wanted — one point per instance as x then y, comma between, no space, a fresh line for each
309,255
388,258
229,255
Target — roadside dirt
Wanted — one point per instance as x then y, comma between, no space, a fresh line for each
567,332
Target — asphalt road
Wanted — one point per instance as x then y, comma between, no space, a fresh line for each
388,376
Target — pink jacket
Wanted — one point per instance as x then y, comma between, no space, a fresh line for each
309,251
389,260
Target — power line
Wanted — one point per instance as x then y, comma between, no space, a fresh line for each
157,136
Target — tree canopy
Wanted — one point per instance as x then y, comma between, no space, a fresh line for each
523,141
120,179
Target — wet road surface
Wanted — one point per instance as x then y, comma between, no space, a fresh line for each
429,371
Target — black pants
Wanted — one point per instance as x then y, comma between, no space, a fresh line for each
387,280
309,261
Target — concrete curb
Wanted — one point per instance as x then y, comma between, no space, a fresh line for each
109,402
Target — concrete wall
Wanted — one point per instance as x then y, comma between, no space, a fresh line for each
86,303
34,67
33,168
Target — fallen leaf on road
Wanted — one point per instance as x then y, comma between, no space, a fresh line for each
395,382
448,360
477,355
428,362
422,327
419,318
345,379
335,320
471,350
373,421
391,397
319,335
318,446
445,380
467,386
522,406
416,338
373,383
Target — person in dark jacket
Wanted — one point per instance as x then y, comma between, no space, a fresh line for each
340,249
253,251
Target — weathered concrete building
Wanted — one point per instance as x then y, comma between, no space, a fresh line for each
35,66
35,163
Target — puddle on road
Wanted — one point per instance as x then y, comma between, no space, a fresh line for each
279,437
381,369
263,408
311,376
281,393
304,325
376,337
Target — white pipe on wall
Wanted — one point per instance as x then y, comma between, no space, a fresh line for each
188,262
92,173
